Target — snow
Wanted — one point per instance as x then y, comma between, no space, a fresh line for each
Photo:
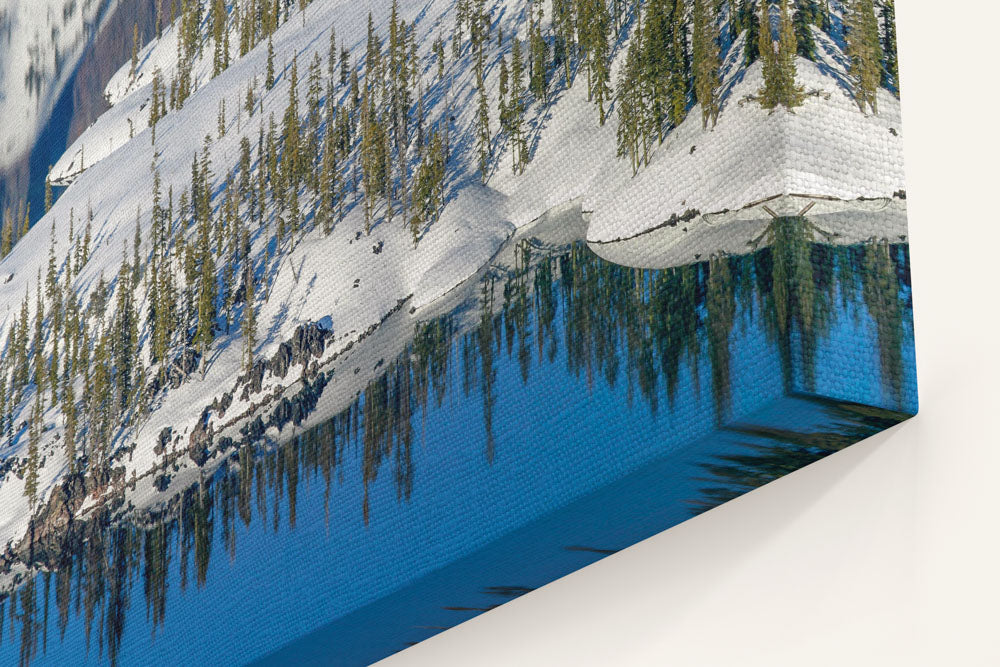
745,230
825,148
350,280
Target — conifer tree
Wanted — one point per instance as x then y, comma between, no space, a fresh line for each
515,109
85,250
7,234
806,15
4,410
428,189
34,438
629,105
313,118
51,273
664,59
100,401
483,136
679,64
864,49
780,88
21,366
250,103
890,73
48,191
135,51
218,36
124,341
707,79
503,87
38,356
327,182
293,170
69,433
249,318
594,29
269,78
538,52
205,331
438,49
750,19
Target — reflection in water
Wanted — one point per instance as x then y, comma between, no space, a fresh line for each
769,452
634,331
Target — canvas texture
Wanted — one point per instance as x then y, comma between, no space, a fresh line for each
327,326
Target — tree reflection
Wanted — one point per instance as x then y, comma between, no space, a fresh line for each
645,333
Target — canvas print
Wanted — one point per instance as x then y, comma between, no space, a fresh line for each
328,325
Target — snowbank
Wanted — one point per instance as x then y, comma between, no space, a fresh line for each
826,148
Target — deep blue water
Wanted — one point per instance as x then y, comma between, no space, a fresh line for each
561,412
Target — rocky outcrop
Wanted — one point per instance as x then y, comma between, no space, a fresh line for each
306,344
200,440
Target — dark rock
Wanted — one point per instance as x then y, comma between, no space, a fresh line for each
161,482
282,360
163,440
686,216
181,366
201,439
224,403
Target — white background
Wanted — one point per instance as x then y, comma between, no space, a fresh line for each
885,554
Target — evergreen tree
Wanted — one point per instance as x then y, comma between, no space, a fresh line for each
327,182
269,78
595,28
249,318
679,64
69,432
538,52
890,74
438,49
135,51
38,346
806,15
314,93
428,189
483,135
124,341
100,402
864,49
207,313
34,438
664,60
7,234
630,108
250,103
779,71
750,19
293,169
51,274
48,192
707,78
219,34
515,109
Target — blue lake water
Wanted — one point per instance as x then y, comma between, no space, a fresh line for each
564,409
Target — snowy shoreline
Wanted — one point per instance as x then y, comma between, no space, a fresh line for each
338,367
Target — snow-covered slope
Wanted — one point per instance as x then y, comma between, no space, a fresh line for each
826,148
348,280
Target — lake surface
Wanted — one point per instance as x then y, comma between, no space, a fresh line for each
562,408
